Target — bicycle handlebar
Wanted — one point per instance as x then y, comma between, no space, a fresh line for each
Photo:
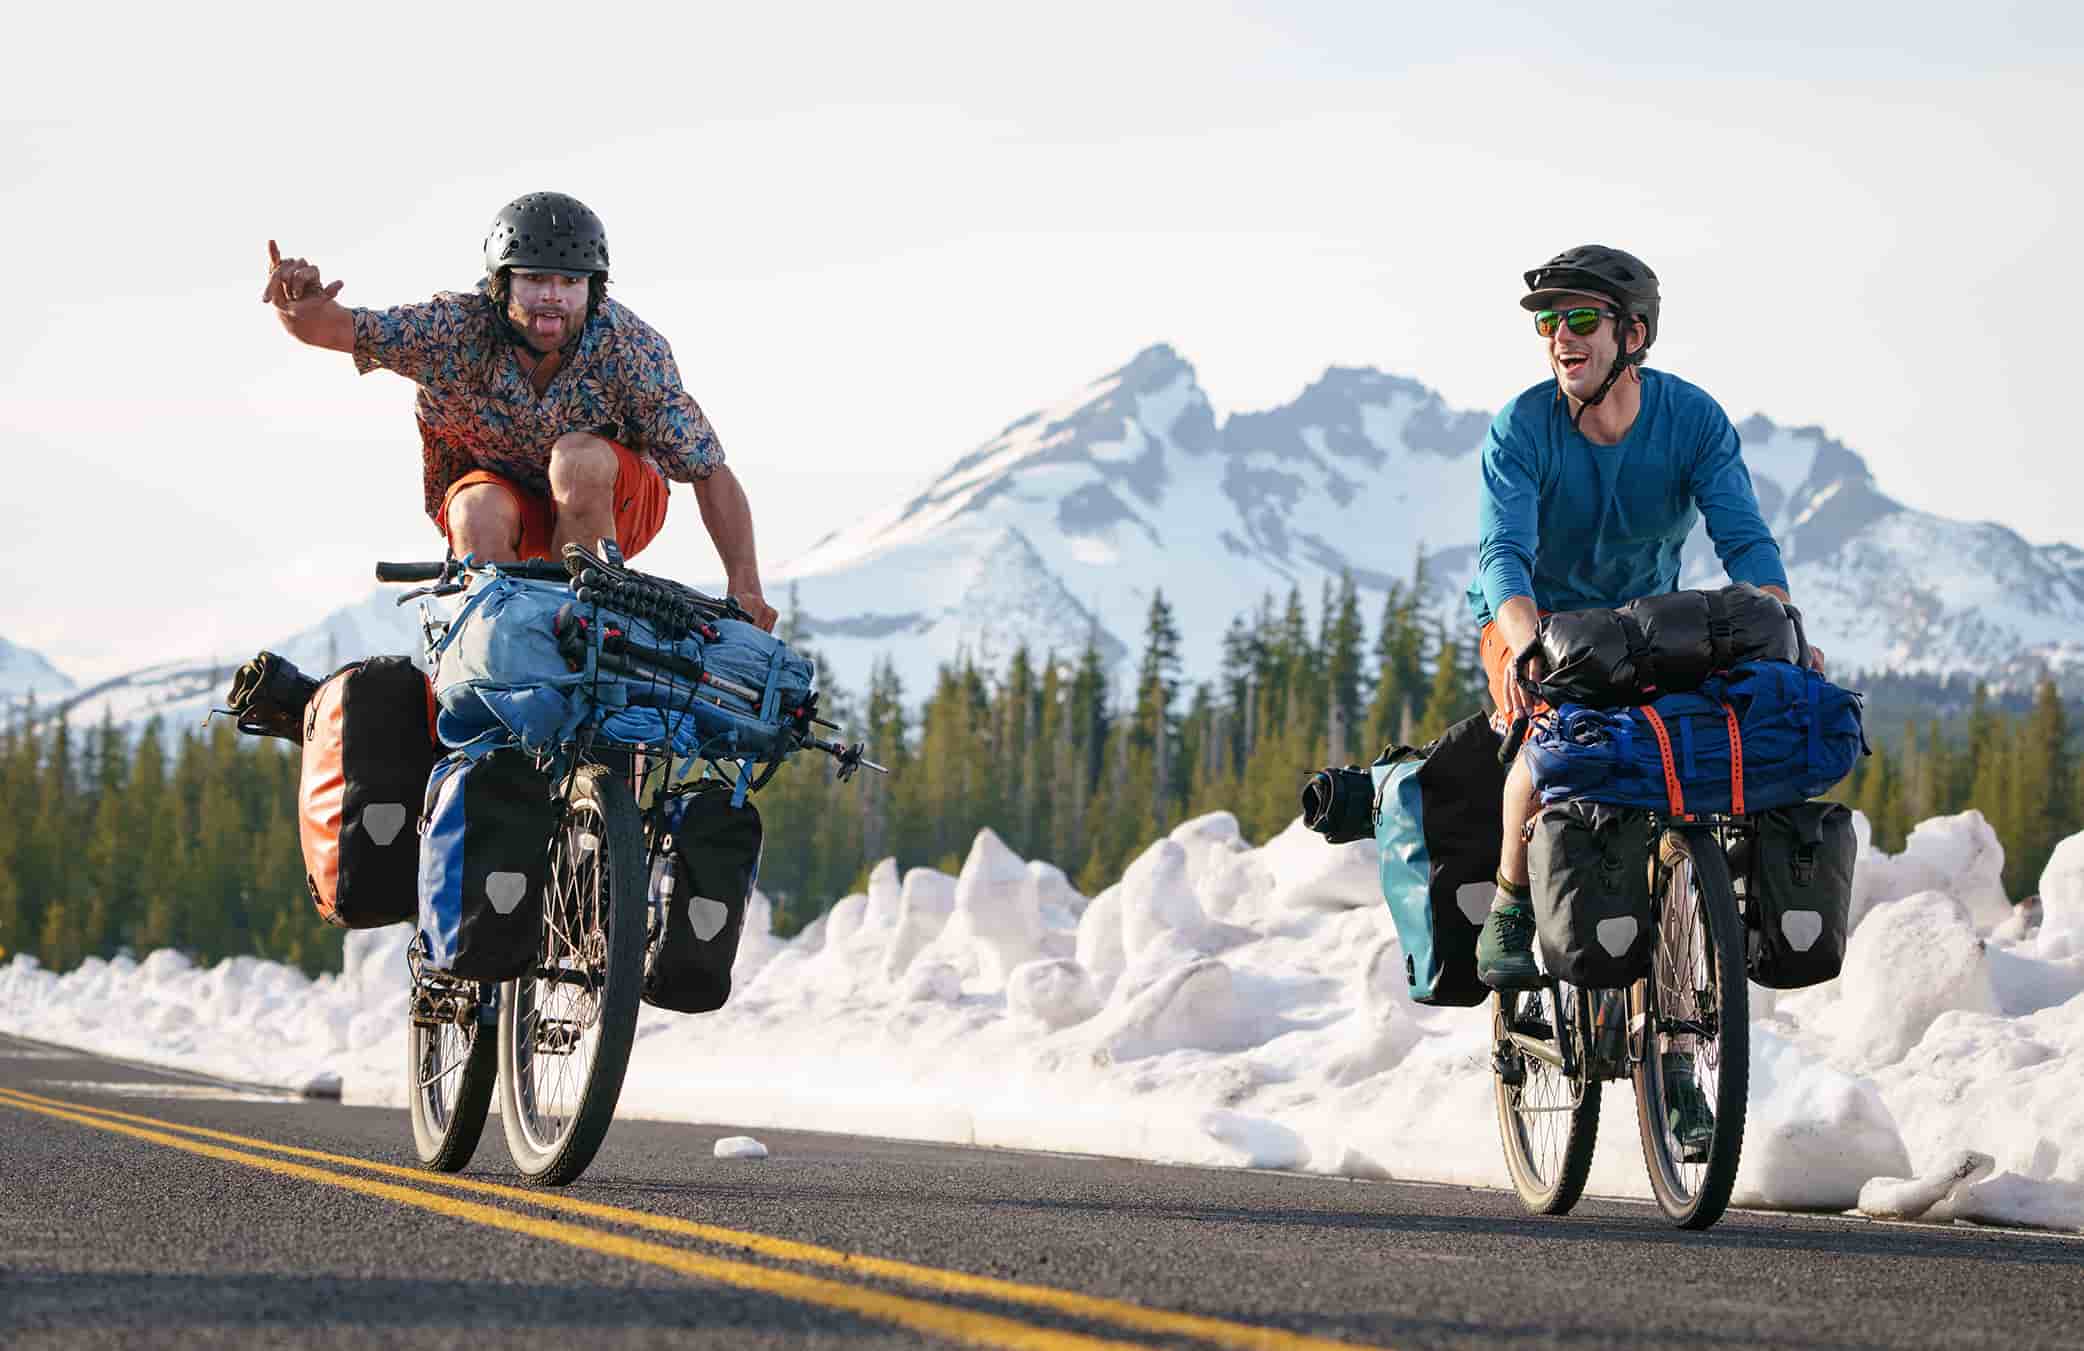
428,572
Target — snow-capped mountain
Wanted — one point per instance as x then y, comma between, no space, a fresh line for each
23,673
1132,484
1061,527
182,693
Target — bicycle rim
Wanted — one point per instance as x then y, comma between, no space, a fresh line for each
1697,1008
1549,1120
449,1074
565,1028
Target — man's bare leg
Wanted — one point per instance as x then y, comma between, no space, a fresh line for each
582,483
1521,801
484,521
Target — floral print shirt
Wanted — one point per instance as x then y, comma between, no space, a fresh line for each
478,409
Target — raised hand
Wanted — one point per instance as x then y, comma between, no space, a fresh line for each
294,286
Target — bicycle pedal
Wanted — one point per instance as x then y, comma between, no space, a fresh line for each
1510,1069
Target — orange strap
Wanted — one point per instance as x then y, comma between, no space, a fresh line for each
1676,792
1736,761
1672,790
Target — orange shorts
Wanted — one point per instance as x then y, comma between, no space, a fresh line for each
1497,661
640,505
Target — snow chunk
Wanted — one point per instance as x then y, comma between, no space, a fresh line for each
1959,855
933,983
1813,1135
2010,1198
1195,1006
1056,994
1907,963
1314,875
996,923
1162,921
2062,901
1384,1029
924,904
1911,1198
740,1147
1099,949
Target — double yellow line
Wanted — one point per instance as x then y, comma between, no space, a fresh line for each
951,1322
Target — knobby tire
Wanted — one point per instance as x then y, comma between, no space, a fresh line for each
1549,1122
1696,901
594,928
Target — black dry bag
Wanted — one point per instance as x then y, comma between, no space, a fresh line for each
700,888
1796,872
1589,867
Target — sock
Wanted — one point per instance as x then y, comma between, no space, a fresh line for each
1509,896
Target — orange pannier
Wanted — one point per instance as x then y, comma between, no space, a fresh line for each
368,748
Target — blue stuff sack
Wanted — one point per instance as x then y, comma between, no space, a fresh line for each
1798,734
1438,828
501,675
484,863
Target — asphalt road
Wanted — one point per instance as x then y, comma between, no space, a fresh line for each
114,1230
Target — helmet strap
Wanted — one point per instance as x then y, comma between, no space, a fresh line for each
1623,359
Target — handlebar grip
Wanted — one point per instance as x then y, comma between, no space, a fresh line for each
1514,739
536,570
408,572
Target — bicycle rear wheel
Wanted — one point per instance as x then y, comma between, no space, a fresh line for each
451,1062
1696,1008
1548,1115
566,1027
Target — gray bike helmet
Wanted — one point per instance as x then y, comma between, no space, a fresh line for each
1595,269
547,231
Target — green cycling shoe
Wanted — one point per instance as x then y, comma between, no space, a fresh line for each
1505,950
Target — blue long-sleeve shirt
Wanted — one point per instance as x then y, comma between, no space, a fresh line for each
1579,526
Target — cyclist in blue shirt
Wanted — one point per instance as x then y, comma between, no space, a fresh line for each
1592,481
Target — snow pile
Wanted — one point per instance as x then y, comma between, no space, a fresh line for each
1224,1004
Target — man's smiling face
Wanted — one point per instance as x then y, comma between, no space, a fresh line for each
1581,363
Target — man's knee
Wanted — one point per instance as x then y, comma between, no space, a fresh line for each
582,470
485,520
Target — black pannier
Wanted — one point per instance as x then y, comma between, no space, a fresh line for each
1588,865
1339,804
701,887
368,746
1796,875
485,863
1662,644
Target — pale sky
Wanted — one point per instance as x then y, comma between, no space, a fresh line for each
877,234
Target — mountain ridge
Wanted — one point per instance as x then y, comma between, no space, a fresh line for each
1062,526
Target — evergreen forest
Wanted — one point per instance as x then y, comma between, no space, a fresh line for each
187,838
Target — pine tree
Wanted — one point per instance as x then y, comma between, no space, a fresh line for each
1342,649
1448,702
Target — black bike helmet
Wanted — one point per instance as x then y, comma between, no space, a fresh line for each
1595,269
547,231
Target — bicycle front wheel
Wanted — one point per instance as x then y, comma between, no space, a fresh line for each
566,1027
1548,1101
450,1065
1692,1082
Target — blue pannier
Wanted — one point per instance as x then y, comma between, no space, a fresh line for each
1438,830
1795,735
503,675
484,863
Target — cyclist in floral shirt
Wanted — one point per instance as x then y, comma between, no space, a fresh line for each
549,414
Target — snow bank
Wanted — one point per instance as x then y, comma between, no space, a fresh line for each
1228,1005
